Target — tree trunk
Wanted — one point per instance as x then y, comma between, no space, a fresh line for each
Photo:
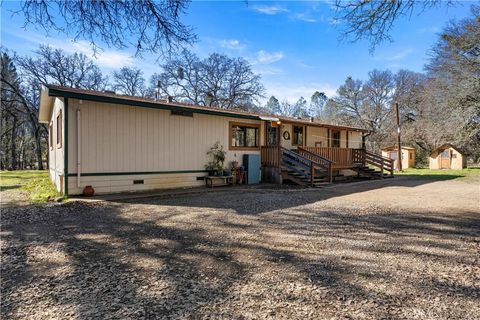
13,149
38,148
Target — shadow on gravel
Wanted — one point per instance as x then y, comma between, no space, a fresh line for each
114,262
234,199
146,265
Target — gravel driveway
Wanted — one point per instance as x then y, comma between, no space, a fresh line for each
395,249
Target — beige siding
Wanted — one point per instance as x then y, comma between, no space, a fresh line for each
316,134
55,152
354,139
457,160
320,135
122,183
408,157
120,138
286,143
434,161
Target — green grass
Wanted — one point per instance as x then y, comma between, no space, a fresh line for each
35,183
20,177
468,175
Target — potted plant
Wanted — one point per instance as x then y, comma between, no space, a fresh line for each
217,159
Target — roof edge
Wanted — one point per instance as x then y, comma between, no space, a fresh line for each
98,96
46,105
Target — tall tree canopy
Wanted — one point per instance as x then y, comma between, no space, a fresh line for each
373,20
129,81
216,80
146,25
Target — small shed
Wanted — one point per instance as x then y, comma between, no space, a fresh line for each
447,156
408,156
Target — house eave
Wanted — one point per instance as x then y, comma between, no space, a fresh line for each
46,105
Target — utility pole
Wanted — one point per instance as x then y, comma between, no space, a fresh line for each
399,156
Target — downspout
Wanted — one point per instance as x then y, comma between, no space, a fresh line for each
79,157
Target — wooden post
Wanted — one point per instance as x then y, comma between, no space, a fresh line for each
312,173
381,170
399,156
330,173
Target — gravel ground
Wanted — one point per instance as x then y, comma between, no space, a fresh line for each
395,249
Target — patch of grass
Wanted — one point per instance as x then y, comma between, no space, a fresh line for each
20,177
36,183
41,190
467,175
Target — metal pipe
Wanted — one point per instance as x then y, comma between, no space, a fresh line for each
78,147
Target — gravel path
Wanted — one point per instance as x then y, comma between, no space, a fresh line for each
392,249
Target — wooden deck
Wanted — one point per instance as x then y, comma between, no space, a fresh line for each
327,159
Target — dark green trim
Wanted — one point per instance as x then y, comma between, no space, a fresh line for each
154,105
96,174
65,146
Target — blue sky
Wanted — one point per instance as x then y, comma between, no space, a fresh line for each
294,45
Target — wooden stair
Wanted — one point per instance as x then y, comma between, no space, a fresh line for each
371,173
303,170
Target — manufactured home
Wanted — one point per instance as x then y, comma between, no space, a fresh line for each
118,143
408,156
447,157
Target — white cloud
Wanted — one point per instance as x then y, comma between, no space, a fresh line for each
109,59
395,56
233,44
334,21
265,57
270,10
105,58
303,17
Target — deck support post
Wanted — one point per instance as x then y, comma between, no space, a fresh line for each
330,173
381,169
312,174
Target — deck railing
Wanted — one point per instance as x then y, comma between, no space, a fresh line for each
342,157
270,156
328,159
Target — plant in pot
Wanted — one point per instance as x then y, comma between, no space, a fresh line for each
217,159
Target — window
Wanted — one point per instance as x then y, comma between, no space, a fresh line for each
59,130
336,139
454,156
50,135
244,136
297,136
445,154
272,135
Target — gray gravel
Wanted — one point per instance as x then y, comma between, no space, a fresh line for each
397,249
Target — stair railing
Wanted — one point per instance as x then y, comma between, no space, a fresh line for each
324,164
301,161
366,157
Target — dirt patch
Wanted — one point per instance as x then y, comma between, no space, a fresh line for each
392,249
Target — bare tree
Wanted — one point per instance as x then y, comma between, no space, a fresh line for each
55,66
448,108
227,82
146,25
14,117
317,104
373,20
129,81
181,78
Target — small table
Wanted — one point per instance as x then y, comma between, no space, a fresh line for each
226,180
